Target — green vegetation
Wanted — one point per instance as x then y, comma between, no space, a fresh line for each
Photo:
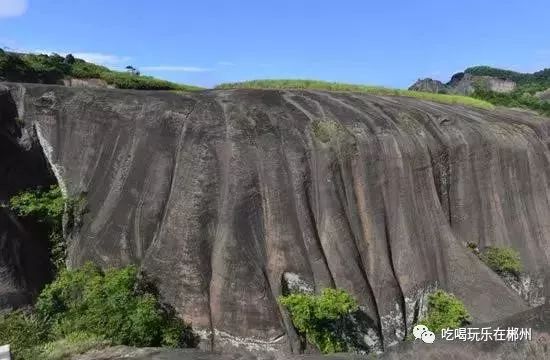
524,94
46,206
541,78
319,317
517,99
445,311
23,331
52,69
502,260
73,344
327,131
89,308
334,86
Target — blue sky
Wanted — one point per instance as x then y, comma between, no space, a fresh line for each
205,42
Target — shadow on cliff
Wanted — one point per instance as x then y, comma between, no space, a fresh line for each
24,246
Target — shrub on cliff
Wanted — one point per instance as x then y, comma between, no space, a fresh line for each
109,305
502,260
90,308
319,317
445,311
46,206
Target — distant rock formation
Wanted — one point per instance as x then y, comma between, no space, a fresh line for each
429,85
464,84
225,198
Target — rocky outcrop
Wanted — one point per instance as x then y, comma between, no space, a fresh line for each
429,85
465,84
223,197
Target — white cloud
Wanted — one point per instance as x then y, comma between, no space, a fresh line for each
103,59
12,8
174,68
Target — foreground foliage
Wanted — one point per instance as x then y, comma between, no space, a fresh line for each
319,317
502,260
51,69
445,311
23,331
107,305
89,308
375,90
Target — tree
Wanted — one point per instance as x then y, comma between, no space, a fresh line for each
132,70
69,59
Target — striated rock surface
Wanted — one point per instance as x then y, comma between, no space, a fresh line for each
226,197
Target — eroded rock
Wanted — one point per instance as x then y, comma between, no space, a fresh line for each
217,195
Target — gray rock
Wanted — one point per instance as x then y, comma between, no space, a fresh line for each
429,85
218,194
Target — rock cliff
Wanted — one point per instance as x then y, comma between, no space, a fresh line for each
222,196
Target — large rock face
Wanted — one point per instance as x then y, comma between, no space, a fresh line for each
220,195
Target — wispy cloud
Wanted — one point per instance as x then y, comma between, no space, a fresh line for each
174,68
13,8
103,59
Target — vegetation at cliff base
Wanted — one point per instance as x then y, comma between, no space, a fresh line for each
336,86
445,311
319,317
88,308
52,69
503,260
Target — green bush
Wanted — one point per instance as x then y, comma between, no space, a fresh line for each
502,260
109,305
319,317
46,206
445,311
23,331
88,308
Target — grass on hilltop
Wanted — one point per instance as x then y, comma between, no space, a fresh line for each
52,69
375,90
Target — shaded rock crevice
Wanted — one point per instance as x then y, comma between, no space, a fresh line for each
25,265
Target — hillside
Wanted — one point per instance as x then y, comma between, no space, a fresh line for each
55,69
227,197
497,86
